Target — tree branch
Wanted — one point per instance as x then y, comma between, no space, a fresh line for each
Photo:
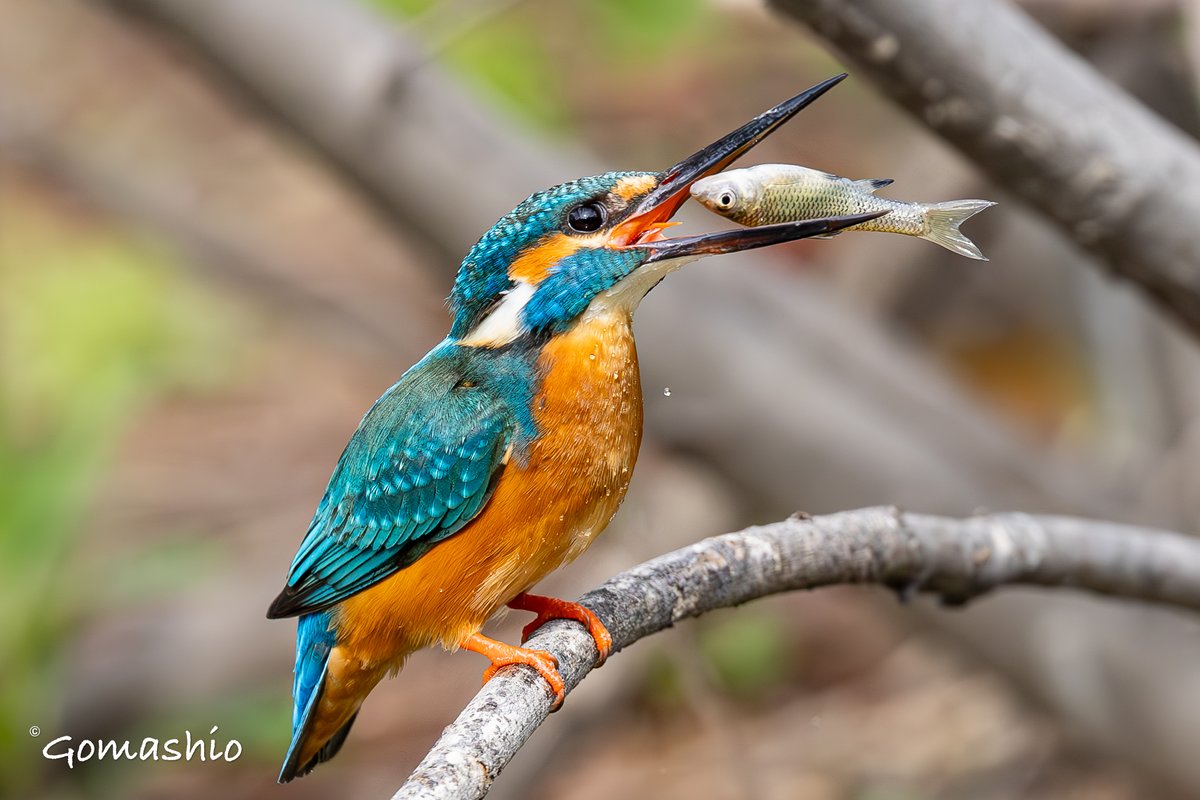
364,96
956,559
1114,176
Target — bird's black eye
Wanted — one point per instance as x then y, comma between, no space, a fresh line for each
586,217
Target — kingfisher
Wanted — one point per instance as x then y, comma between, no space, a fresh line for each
504,452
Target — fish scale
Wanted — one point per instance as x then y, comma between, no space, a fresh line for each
802,194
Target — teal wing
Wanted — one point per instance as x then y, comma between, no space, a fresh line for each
421,465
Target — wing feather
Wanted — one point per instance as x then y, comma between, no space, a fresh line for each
421,465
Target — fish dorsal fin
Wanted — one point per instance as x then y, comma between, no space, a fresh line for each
874,184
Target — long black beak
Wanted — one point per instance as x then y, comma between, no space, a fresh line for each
748,238
666,198
661,203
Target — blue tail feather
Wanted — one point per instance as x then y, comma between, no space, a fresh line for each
314,640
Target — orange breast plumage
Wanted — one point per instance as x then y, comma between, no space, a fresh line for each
543,514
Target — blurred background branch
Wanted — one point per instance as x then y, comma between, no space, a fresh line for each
365,96
1041,123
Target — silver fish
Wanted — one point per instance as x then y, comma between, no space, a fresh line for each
771,193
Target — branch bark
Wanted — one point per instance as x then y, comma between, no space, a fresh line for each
1115,177
957,559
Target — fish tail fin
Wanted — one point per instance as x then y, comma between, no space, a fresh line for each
873,185
942,221
323,710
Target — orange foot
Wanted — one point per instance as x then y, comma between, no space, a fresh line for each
548,608
501,655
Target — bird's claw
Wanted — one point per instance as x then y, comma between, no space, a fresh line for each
501,655
548,608
542,661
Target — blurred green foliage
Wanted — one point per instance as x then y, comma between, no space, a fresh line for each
663,686
504,58
92,324
747,651
641,34
405,9
510,60
745,654
890,792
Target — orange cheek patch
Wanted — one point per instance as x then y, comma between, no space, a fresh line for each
535,264
630,187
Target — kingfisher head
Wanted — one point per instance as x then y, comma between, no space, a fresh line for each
542,265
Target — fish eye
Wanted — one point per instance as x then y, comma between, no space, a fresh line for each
586,217
726,199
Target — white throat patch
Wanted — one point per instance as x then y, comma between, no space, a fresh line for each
503,324
628,292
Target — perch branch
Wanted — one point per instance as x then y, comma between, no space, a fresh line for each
1041,122
958,559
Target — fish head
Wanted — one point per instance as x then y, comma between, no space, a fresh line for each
730,194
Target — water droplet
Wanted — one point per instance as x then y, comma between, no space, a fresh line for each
562,517
667,391
592,357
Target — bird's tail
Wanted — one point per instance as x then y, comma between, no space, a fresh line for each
325,705
942,221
